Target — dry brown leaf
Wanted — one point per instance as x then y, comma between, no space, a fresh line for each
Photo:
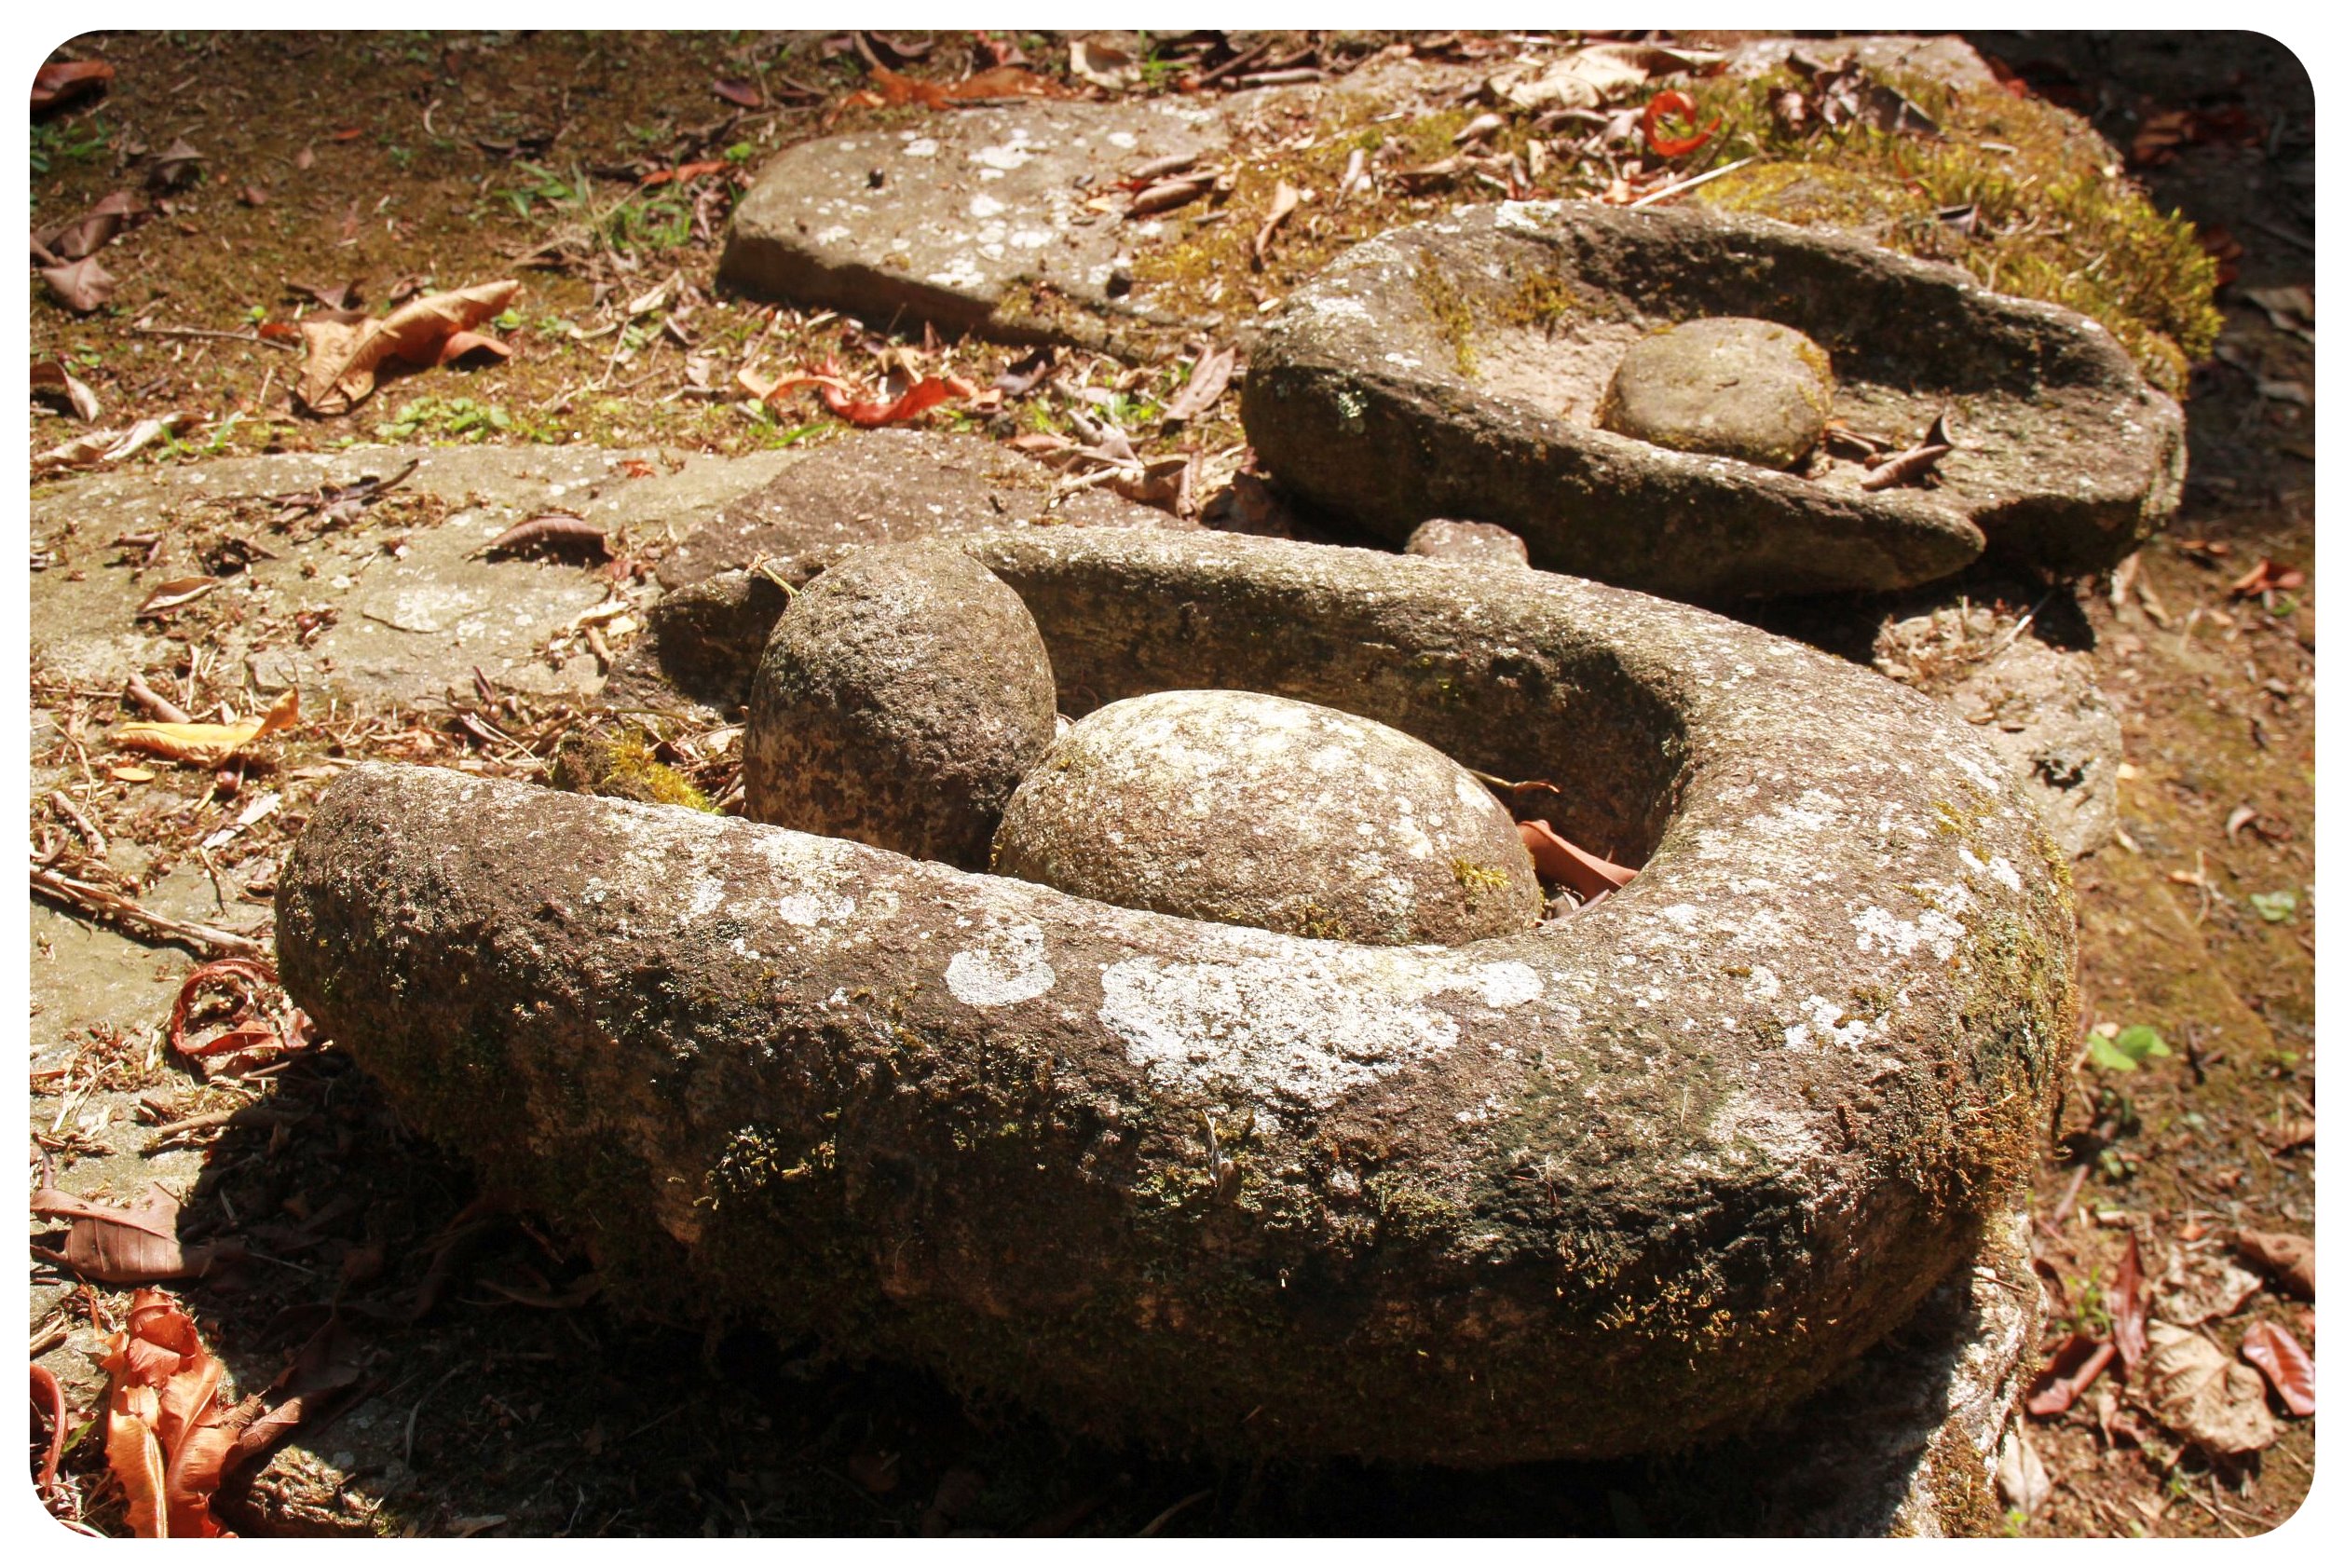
209,745
2187,1299
344,360
65,80
2129,1306
2204,1396
176,165
91,233
81,286
114,1245
2286,1257
1283,202
1207,380
102,446
2070,1369
51,379
2274,1352
177,594
1592,76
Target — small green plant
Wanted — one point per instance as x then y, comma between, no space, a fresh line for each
2091,1314
69,141
660,221
550,189
402,159
448,418
2277,907
2127,1050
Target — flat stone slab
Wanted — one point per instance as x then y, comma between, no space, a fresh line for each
1456,369
412,609
2040,706
876,486
1637,1178
974,219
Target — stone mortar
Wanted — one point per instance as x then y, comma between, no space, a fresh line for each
1634,1178
1454,368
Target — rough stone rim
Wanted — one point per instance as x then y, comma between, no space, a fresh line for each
2084,522
1851,1156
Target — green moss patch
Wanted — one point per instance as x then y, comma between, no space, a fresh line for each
2056,219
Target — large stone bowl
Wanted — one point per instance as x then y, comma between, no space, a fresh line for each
1455,369
1634,1178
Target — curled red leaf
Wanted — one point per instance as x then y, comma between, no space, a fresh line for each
1674,103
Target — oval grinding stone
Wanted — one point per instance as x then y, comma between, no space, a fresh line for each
1727,386
1262,810
902,696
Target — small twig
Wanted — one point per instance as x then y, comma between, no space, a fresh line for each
399,626
1685,185
1166,1518
154,702
2067,1199
142,328
98,903
408,1453
82,824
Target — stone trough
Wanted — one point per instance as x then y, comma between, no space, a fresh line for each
1459,369
1634,1178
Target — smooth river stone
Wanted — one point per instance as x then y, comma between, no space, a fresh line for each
902,696
1265,812
1726,386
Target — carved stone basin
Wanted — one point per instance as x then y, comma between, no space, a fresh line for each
1456,369
1632,1178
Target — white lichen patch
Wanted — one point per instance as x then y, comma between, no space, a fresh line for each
1302,1029
1508,983
1009,967
1996,867
1833,1021
1933,927
1743,1125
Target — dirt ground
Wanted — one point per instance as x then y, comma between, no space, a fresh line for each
477,1383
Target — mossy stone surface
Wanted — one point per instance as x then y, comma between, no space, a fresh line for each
1365,399
1262,810
1447,538
1728,386
901,696
1621,1182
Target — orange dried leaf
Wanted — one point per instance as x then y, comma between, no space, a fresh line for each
344,359
1560,860
166,1432
209,745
